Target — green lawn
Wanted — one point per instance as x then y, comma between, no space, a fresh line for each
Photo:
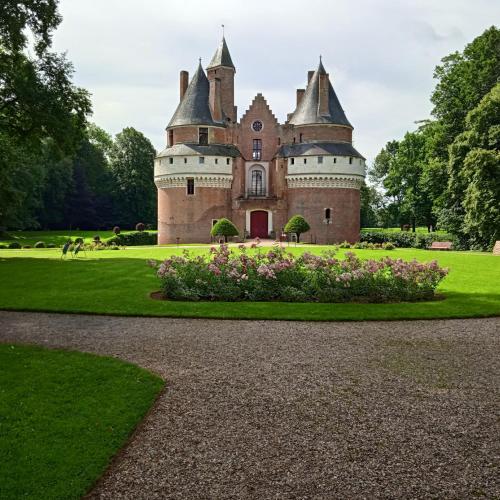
56,237
119,282
63,416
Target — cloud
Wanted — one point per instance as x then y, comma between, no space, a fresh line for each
380,55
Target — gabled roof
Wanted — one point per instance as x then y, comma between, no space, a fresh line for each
221,56
318,149
194,108
307,111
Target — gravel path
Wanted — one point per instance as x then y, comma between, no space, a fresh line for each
256,409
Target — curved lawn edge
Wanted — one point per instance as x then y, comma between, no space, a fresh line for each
67,415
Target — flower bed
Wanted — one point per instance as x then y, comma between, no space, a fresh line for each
276,275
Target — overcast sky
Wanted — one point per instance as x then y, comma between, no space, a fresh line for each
380,55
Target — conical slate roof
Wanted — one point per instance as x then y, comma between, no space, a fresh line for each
194,108
307,111
221,56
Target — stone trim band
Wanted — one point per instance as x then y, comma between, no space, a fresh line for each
324,181
179,181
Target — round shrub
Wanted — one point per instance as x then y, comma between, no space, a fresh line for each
388,246
26,246
224,227
345,244
297,225
14,245
39,244
140,227
96,238
116,230
51,245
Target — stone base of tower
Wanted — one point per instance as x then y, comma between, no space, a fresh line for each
312,203
183,218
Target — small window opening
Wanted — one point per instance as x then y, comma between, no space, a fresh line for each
216,161
201,159
320,159
335,160
185,160
203,136
328,213
279,141
171,160
214,221
257,149
227,161
294,140
350,160
292,161
300,137
190,186
305,161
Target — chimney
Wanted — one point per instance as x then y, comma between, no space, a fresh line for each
300,95
309,76
184,80
215,99
324,84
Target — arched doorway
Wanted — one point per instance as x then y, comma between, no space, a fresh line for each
259,224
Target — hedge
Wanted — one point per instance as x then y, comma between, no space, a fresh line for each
133,239
406,239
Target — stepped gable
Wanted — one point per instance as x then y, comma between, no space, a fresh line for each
222,57
194,108
259,101
308,111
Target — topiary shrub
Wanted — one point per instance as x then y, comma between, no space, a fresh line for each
39,244
14,245
297,225
140,227
116,230
224,227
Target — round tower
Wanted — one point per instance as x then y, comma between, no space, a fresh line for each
324,170
194,173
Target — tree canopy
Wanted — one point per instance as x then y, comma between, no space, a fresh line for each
297,225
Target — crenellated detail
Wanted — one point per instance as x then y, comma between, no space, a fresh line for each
209,181
324,181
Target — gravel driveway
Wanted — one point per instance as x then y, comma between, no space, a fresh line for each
256,409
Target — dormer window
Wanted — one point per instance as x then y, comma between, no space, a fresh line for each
203,136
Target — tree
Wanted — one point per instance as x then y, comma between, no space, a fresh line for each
132,169
298,225
224,227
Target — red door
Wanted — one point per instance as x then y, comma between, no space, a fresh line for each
258,224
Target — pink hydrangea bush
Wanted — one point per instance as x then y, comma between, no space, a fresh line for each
235,275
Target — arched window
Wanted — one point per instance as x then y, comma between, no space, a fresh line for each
257,181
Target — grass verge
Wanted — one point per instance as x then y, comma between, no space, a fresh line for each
64,415
119,282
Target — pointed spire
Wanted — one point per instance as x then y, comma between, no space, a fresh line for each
308,110
194,108
221,56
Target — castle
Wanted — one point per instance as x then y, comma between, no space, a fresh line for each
255,171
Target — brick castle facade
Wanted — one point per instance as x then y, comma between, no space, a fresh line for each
255,171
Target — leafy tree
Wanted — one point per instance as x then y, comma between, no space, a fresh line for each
298,225
224,227
463,79
131,163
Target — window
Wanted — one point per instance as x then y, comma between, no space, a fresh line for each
305,161
201,159
350,160
257,125
257,149
292,161
185,160
170,137
257,182
228,161
294,140
320,159
203,136
171,160
279,141
214,221
216,161
300,137
335,160
328,213
190,186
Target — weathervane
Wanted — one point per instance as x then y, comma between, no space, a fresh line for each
222,30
